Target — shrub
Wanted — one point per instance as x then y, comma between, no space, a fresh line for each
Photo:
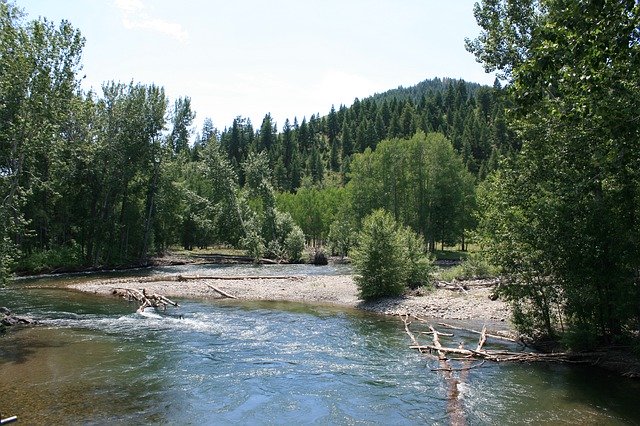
287,241
319,257
473,267
252,241
65,257
419,266
294,244
387,258
341,236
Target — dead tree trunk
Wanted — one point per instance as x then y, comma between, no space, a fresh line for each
144,299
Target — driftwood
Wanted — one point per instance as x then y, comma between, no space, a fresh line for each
144,299
504,356
405,319
462,354
223,293
494,336
465,285
8,420
237,278
483,338
163,278
455,408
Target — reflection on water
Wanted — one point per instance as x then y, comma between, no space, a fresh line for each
94,361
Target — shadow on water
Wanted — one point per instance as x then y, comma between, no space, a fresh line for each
16,349
599,388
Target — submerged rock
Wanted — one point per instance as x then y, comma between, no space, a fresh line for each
8,318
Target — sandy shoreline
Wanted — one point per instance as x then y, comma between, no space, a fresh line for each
340,290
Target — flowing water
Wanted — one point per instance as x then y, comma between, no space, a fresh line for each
93,361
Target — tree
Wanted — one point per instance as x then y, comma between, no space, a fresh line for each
182,120
279,235
421,181
562,216
378,258
38,88
387,258
341,236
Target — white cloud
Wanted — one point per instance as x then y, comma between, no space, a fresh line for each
135,17
129,6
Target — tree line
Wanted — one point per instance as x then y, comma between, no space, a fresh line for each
544,168
95,179
561,218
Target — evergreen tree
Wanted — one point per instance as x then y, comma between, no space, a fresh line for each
182,119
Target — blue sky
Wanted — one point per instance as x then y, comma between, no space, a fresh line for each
287,57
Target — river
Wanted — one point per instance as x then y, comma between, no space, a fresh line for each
93,361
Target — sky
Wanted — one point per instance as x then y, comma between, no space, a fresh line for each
290,58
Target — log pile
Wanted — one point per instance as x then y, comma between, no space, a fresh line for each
144,299
461,353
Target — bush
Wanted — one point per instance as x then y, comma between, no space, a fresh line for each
294,244
419,266
287,241
341,236
252,241
475,267
319,257
66,257
388,258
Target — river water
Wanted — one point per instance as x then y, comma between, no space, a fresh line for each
94,361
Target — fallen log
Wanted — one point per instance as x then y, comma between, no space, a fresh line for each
144,299
437,345
494,336
405,319
483,338
179,278
8,420
223,293
504,356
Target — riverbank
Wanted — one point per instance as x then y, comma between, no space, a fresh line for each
340,290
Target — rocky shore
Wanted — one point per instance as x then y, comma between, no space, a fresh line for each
472,303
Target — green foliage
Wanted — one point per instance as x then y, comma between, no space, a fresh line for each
287,241
422,181
313,209
282,238
6,259
252,241
113,172
419,267
387,258
342,235
474,267
52,259
561,217
294,244
378,258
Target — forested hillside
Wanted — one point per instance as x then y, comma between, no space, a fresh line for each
109,178
304,152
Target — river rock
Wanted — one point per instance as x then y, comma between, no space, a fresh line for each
7,318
